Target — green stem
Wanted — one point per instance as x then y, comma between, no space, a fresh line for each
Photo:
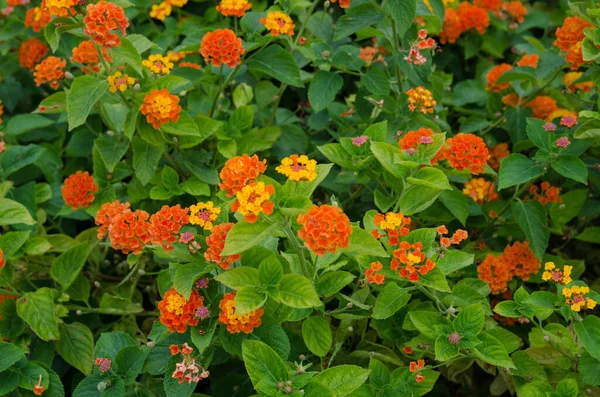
396,48
296,246
305,21
213,106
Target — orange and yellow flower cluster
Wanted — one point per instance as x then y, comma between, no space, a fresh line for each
324,229
420,99
234,8
298,168
239,171
204,214
160,107
177,313
464,152
216,243
165,225
394,226
278,23
577,299
410,261
254,199
480,190
545,193
238,322
553,273
222,46
569,38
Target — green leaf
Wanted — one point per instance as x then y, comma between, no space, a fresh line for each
111,150
245,235
469,321
457,203
297,291
517,169
519,73
588,369
111,343
444,349
424,321
363,243
530,215
356,18
508,309
379,377
316,333
275,337
265,368
376,81
323,88
85,91
185,126
12,213
270,271
130,361
186,275
431,177
332,282
588,332
391,158
342,379
570,166
278,63
9,380
9,355
257,140
22,123
567,388
169,178
30,376
127,53
248,299
239,277
145,159
590,234
423,190
404,383
454,260
76,346
38,310
68,265
492,351
204,339
538,135
389,301
403,13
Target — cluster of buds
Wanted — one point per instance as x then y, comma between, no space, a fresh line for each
189,239
286,387
416,367
103,364
188,370
422,43
457,237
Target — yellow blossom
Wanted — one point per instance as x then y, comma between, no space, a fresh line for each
480,190
421,99
298,168
204,214
254,199
278,23
575,297
119,82
158,64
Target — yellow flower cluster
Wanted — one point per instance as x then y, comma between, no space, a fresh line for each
234,8
158,64
161,11
298,168
59,7
575,297
254,199
391,221
421,99
119,82
204,214
555,274
480,190
278,23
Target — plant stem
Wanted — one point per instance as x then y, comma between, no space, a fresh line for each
396,48
213,106
292,239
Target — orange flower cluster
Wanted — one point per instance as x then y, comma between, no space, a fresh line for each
466,17
393,224
127,230
480,190
412,139
176,312
343,3
516,260
278,23
570,78
421,99
101,19
222,46
494,74
372,275
324,229
238,322
515,10
160,107
239,171
216,243
79,190
87,55
31,52
59,8
411,257
489,5
2,263
569,38
166,223
234,8
51,71
530,60
416,367
497,153
36,18
367,54
545,193
254,199
464,152
458,236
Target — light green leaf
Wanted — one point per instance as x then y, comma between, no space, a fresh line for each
492,351
111,149
332,282
12,212
297,291
469,321
186,275
588,332
265,368
85,91
248,299
239,277
342,379
276,62
389,301
38,310
145,159
316,333
245,235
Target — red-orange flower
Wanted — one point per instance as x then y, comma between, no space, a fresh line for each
489,5
452,28
31,52
465,151
216,243
176,312
127,230
101,19
497,153
238,322
521,260
86,54
480,190
343,3
239,171
571,32
324,229
571,77
494,271
222,46
234,8
494,74
575,56
548,193
511,100
372,275
542,106
473,17
51,71
515,10
394,225
36,18
530,60
2,263
166,223
416,367
409,260
412,139
367,54
160,107
79,190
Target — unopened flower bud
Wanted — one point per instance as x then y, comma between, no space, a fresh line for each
280,385
175,140
349,305
289,383
101,386
454,338
350,329
110,133
151,344
288,389
79,312
141,272
547,338
68,76
327,4
302,357
136,87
